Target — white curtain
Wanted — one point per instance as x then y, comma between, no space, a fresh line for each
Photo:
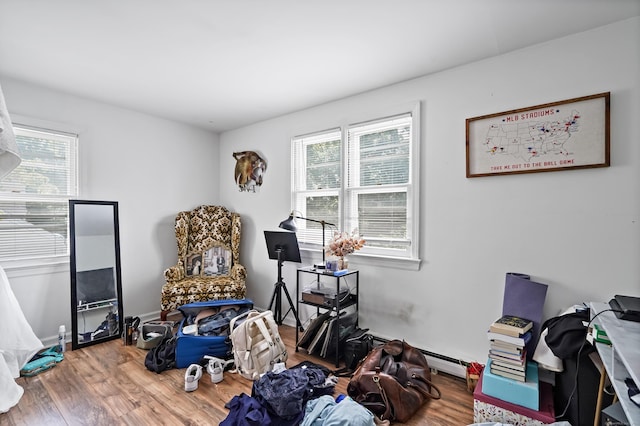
9,153
18,344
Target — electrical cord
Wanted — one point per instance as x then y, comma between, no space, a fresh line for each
575,378
346,282
346,297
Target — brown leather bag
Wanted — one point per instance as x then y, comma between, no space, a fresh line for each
393,381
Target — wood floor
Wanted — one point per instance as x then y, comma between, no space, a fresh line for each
108,384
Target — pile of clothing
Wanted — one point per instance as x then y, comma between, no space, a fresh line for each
300,395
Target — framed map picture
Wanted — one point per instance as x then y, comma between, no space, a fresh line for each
570,134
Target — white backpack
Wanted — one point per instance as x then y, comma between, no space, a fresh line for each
257,345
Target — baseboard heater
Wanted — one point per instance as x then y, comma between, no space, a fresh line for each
438,362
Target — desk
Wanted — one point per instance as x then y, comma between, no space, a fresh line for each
622,358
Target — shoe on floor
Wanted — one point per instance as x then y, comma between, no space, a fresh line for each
191,377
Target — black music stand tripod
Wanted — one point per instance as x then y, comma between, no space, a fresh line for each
282,246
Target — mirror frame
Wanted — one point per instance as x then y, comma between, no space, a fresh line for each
75,344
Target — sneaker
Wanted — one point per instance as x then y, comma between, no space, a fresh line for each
191,377
216,367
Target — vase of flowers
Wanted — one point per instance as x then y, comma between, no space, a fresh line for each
343,244
343,263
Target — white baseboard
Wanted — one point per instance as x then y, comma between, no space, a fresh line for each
447,367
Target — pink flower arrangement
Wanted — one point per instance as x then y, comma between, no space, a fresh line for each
343,243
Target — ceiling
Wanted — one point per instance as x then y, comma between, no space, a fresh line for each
223,64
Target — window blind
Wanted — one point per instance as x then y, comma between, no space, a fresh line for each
34,196
317,178
379,179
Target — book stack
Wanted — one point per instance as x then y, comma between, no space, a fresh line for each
508,337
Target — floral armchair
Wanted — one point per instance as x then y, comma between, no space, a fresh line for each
208,265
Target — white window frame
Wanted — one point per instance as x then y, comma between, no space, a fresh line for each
408,259
30,265
309,233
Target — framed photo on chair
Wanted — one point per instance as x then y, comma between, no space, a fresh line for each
217,261
193,265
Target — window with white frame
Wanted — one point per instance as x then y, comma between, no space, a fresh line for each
34,197
360,177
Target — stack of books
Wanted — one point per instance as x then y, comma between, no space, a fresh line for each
508,336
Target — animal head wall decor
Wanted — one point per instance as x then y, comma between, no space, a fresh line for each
250,168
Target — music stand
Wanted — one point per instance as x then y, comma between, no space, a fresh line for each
282,246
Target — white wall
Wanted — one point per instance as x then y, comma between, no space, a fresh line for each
152,167
577,231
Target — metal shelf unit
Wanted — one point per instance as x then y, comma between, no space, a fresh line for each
622,358
336,305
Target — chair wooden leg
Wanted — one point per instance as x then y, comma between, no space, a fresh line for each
163,315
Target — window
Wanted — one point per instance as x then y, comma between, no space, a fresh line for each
317,183
360,176
34,196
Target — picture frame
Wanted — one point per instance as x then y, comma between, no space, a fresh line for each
216,261
563,135
193,264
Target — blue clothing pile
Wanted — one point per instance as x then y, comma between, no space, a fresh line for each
325,411
280,398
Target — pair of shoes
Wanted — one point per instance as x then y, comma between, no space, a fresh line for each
191,377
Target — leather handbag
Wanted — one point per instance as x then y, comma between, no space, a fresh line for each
393,381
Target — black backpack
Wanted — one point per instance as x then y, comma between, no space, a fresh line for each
356,347
163,356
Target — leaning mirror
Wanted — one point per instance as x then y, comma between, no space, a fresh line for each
96,289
